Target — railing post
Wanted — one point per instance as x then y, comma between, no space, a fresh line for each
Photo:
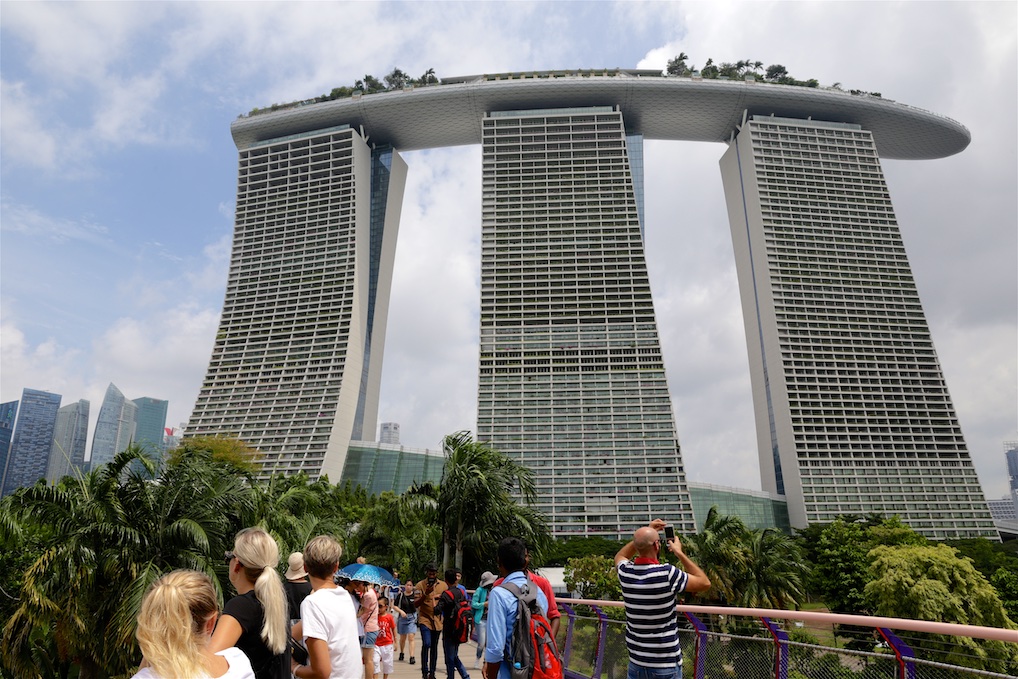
602,638
902,651
700,650
780,648
567,647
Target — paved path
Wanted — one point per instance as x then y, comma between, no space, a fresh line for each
404,670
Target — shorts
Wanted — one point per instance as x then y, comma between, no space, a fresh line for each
407,625
369,639
383,659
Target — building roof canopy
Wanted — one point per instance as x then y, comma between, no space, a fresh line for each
656,107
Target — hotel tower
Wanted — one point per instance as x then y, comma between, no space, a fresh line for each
852,411
572,382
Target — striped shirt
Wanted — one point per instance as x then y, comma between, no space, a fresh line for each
652,630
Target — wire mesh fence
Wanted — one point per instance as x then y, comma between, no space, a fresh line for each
740,647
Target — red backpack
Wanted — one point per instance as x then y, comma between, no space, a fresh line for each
534,654
457,625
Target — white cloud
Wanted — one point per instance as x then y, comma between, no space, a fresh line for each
22,135
27,220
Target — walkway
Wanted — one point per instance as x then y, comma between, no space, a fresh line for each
404,670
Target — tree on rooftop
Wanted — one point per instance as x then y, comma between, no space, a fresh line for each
428,78
677,65
396,80
776,72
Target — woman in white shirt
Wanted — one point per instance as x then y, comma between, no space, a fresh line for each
175,625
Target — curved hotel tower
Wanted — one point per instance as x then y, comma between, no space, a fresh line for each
852,411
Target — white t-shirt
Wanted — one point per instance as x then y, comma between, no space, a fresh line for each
329,615
240,667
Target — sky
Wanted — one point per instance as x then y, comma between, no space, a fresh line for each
118,182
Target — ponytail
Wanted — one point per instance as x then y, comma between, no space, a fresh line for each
259,554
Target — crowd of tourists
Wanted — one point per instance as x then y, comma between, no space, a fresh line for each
316,623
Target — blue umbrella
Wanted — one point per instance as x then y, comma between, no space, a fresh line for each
368,573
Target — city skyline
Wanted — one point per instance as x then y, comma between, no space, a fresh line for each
163,321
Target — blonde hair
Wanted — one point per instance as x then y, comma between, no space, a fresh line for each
258,553
321,556
172,623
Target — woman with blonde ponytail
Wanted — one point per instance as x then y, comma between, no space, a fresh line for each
256,620
175,624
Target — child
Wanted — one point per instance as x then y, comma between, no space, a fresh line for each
384,641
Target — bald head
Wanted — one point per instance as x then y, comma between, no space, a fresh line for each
644,539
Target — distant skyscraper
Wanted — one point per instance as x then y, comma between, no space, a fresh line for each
852,412
68,450
114,430
389,433
1011,455
33,438
572,381
8,413
296,366
151,424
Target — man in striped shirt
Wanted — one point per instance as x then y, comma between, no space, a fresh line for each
648,590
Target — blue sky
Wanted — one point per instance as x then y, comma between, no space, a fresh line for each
118,183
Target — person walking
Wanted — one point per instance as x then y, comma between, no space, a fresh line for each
255,621
648,592
406,623
479,602
328,623
448,605
512,564
430,624
368,616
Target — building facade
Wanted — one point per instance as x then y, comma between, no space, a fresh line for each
759,510
387,467
852,411
572,382
67,454
8,415
388,432
1011,459
853,415
296,365
33,438
115,427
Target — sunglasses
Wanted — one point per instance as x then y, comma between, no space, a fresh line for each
228,557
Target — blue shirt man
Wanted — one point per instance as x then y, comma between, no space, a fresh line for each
512,560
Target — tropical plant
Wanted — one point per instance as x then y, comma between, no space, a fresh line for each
718,550
477,503
398,531
105,538
752,568
483,497
593,577
931,582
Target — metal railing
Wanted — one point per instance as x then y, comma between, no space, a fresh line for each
744,643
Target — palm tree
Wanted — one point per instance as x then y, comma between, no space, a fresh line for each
718,549
775,571
477,503
401,531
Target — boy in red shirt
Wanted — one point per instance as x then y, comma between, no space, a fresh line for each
384,641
